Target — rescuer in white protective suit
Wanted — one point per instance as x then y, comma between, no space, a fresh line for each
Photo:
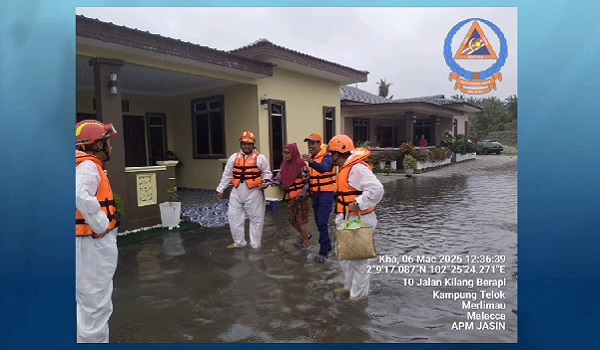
96,225
248,171
358,190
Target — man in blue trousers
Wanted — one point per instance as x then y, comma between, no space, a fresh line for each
322,187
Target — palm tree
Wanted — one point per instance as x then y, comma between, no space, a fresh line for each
384,88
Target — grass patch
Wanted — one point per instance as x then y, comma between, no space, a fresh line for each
140,236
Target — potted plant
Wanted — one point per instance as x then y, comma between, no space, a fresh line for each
377,159
386,158
410,164
395,155
407,148
120,204
376,168
170,211
388,169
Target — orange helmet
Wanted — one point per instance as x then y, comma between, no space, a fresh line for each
90,131
340,143
248,136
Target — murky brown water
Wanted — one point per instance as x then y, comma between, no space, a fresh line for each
187,288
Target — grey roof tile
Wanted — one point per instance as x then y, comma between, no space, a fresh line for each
350,93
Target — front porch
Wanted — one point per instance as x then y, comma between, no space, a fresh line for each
379,122
166,99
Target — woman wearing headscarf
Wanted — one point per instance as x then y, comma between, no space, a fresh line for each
294,178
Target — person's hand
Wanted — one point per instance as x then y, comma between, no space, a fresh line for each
220,196
307,158
100,235
353,207
264,185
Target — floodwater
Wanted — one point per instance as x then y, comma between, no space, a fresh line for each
187,288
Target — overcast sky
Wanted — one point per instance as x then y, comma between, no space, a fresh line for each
402,45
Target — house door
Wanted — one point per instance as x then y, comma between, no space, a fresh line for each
157,137
423,128
387,136
277,133
134,136
329,127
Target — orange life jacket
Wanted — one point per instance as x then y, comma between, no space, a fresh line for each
247,170
294,190
104,195
347,194
322,182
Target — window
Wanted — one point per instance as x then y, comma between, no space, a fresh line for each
361,130
144,138
157,136
386,136
277,132
423,128
208,127
329,121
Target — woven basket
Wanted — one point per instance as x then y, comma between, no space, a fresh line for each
356,244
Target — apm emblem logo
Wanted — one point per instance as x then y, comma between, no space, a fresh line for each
476,48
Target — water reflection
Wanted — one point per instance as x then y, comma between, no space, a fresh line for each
149,262
172,245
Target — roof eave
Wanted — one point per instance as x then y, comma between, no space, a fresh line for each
466,107
265,50
134,38
405,105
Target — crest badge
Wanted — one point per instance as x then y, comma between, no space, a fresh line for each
475,48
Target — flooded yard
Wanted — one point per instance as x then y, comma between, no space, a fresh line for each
187,288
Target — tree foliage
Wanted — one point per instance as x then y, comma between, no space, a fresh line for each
384,88
497,115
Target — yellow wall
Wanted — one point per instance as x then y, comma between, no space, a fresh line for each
240,111
304,96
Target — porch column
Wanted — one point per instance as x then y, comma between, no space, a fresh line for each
434,128
108,110
410,129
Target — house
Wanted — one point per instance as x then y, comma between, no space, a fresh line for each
163,94
389,123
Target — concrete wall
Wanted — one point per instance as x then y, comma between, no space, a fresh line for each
304,96
241,113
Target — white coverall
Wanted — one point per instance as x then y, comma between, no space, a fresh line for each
96,260
356,278
245,202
